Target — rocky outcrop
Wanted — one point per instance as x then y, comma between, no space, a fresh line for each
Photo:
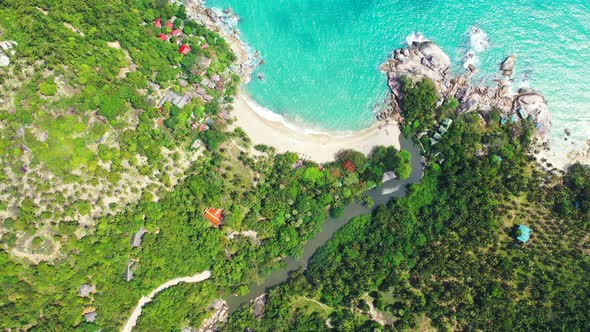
259,306
507,66
424,59
219,316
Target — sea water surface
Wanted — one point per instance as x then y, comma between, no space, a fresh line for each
322,58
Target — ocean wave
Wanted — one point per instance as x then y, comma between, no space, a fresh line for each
478,42
416,37
293,124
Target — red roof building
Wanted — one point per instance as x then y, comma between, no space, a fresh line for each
215,216
205,46
176,32
169,25
163,37
158,22
184,49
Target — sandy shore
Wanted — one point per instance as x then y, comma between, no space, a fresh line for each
265,127
563,156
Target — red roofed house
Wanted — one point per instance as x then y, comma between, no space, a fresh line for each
205,46
169,25
184,49
163,37
176,32
158,23
215,216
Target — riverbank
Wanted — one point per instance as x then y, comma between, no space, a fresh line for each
265,127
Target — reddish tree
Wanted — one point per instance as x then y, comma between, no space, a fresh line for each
349,166
336,173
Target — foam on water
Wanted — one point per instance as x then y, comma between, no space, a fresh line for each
478,42
416,37
478,39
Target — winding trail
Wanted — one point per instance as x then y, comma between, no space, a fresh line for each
147,299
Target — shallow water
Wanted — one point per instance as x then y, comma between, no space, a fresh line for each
322,58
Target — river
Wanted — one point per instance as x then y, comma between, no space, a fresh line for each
331,225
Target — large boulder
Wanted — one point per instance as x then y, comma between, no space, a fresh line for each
4,60
535,105
507,66
434,54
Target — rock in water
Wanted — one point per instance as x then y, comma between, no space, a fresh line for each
507,66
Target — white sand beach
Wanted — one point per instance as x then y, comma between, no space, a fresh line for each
265,127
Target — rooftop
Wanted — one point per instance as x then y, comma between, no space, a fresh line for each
525,233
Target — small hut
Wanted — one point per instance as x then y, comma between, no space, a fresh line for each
89,314
86,289
215,216
523,233
128,272
388,176
136,238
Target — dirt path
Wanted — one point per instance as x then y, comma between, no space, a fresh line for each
147,299
322,305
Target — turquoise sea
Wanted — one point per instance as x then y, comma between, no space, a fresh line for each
322,58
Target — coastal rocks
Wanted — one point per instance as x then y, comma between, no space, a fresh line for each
507,66
424,59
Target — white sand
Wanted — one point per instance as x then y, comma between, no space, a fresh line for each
265,127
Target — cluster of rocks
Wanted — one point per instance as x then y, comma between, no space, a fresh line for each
424,59
6,46
211,324
225,23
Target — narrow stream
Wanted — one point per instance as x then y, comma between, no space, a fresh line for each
398,188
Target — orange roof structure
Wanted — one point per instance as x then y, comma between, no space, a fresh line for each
215,216
158,22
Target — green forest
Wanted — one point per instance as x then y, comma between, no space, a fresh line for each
107,128
82,96
446,257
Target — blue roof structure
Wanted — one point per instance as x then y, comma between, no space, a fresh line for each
503,120
525,233
514,118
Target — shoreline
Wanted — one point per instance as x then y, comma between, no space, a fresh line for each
319,145
284,135
264,126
